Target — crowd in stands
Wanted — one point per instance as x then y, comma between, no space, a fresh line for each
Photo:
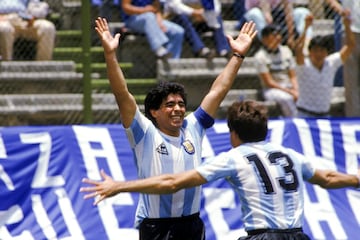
282,27
25,19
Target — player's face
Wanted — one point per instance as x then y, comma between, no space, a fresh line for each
170,115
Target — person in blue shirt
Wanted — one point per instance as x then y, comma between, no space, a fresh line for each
269,178
16,21
145,16
164,140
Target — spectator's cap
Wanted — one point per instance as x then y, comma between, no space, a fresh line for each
270,29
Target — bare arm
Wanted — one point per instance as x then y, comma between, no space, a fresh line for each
349,45
224,81
332,179
288,9
266,9
334,4
299,54
125,101
162,184
294,90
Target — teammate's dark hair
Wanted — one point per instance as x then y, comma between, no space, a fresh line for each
249,120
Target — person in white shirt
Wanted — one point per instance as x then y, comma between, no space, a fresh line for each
352,65
316,74
276,67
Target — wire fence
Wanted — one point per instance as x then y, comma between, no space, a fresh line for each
50,91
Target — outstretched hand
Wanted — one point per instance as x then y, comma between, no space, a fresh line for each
109,42
243,41
99,190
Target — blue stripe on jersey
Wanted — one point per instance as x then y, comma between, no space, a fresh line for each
137,131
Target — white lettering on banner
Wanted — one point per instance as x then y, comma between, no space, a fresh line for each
207,150
326,140
307,143
352,154
5,235
322,211
351,146
354,200
69,215
13,215
215,200
3,153
41,180
42,218
305,137
276,136
6,179
85,136
221,128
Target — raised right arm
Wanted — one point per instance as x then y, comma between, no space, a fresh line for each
124,99
299,51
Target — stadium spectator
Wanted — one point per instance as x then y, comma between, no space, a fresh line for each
165,141
352,65
316,74
268,178
239,11
276,66
288,14
182,14
191,15
145,16
16,21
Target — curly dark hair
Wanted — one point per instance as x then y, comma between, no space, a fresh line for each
249,120
155,96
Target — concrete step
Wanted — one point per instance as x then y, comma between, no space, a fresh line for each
55,109
36,66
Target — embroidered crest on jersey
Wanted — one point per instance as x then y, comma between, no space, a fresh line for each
162,149
189,147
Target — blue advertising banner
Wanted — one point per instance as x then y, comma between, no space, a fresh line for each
41,169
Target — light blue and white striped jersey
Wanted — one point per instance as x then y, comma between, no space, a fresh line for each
269,181
156,153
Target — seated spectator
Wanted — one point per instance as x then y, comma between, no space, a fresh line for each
285,13
276,66
106,9
316,74
144,16
17,22
239,12
186,15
